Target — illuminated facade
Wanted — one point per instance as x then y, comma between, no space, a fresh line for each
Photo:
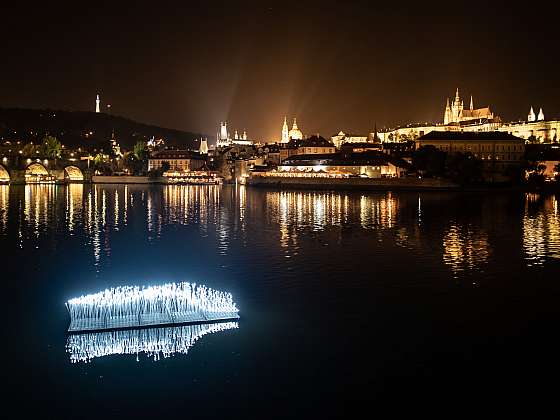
295,133
285,132
310,146
456,113
203,149
224,139
458,118
367,165
496,150
179,160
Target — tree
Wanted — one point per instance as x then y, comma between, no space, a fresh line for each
51,148
132,163
140,151
29,150
464,168
430,160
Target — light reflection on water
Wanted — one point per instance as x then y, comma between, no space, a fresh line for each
541,229
153,342
419,223
465,248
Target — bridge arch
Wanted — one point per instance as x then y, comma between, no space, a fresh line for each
4,175
36,173
73,174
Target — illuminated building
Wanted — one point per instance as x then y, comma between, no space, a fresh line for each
97,105
285,136
311,145
367,165
455,113
223,138
203,149
343,138
458,118
295,133
496,150
179,160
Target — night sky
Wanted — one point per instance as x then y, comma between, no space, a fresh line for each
333,65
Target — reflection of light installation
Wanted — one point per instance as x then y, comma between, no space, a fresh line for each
172,303
155,342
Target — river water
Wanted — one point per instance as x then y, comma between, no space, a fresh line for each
347,300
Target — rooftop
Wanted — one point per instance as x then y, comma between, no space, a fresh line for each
343,159
313,141
469,136
176,154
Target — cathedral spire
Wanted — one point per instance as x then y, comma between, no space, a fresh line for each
472,106
97,104
531,117
541,115
285,138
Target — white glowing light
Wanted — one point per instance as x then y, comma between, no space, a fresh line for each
154,342
132,306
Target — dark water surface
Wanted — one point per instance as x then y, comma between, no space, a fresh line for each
418,301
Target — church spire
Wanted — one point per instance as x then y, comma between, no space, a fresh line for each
541,115
285,138
531,117
472,106
97,104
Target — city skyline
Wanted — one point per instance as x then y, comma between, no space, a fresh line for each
334,68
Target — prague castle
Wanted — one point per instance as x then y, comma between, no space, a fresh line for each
224,138
458,118
457,114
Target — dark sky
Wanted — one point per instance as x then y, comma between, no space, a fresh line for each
333,65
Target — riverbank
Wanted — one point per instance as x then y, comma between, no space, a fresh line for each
402,184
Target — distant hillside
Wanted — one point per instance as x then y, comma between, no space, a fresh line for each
73,129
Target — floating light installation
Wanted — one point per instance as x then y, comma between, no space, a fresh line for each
154,342
132,306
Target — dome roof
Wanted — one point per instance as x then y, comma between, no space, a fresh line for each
295,133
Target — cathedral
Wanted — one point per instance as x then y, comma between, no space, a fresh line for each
224,139
295,133
456,113
458,118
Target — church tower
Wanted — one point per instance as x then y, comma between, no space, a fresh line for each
531,117
472,105
285,138
203,150
222,137
456,108
97,105
540,117
447,115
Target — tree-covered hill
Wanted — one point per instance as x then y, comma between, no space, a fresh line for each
84,129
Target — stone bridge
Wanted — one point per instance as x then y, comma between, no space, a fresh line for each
38,172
